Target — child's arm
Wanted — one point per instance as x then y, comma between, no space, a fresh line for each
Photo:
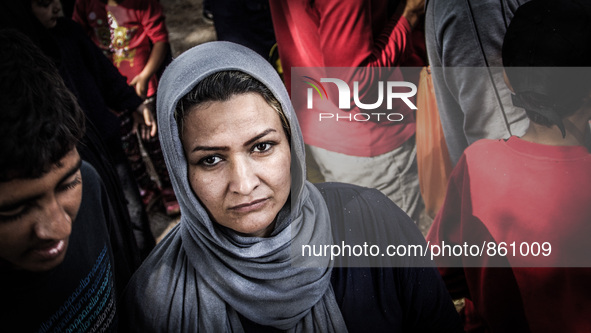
157,55
112,85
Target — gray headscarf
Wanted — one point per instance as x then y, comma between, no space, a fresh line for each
202,275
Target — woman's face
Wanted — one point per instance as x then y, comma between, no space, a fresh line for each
239,162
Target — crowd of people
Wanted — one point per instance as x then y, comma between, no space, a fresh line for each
260,169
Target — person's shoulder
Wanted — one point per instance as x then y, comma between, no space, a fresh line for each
444,7
167,263
484,143
162,263
479,150
354,207
164,279
89,174
363,198
347,190
93,189
94,212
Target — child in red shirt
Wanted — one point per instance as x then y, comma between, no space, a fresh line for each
133,35
525,200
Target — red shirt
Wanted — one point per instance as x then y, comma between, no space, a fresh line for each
522,192
350,33
124,32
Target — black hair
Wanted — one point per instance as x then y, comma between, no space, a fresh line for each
40,120
42,3
546,54
220,87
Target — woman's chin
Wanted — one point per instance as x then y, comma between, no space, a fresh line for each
253,227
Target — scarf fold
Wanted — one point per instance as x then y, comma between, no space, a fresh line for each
233,274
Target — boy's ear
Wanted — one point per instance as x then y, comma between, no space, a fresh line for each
507,82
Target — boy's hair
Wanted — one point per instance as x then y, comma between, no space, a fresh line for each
546,54
40,120
220,87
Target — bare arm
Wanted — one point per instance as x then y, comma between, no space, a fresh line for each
140,82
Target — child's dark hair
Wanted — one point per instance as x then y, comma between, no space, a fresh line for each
40,121
220,87
547,55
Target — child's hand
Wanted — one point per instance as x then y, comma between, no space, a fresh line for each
413,10
144,121
140,83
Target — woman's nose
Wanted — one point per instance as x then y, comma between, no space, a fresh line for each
54,222
244,177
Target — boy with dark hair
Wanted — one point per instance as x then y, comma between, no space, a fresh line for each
56,264
530,193
106,99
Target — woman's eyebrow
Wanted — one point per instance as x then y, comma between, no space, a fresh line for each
208,148
257,137
247,143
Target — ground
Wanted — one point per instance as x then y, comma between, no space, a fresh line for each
186,26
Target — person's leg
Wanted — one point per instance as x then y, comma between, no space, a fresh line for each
131,146
137,211
153,150
393,173
169,199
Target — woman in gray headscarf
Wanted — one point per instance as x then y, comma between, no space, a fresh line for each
235,153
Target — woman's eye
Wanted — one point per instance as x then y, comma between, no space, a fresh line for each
210,160
262,147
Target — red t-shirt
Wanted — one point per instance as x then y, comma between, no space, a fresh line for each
125,32
336,33
522,192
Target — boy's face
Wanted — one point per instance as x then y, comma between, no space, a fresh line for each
36,216
47,11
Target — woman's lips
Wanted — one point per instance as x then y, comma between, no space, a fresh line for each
52,251
250,206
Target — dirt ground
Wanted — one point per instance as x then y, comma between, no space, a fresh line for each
186,26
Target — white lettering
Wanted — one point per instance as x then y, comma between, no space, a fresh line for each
403,96
368,106
344,92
